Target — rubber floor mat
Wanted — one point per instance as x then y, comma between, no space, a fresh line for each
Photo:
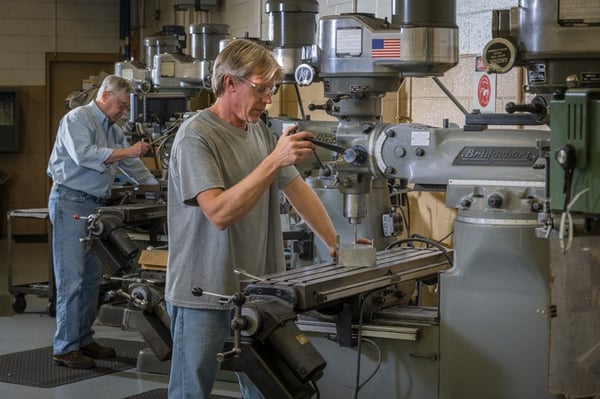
37,369
161,393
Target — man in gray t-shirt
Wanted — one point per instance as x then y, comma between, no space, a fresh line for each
225,173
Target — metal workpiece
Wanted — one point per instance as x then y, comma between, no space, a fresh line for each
314,286
357,255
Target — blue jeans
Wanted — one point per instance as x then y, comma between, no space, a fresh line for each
76,272
198,335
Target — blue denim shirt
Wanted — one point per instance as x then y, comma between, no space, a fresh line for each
84,140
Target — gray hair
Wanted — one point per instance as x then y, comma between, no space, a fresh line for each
114,84
241,58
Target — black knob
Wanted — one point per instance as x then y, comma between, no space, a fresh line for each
355,155
566,156
238,299
495,200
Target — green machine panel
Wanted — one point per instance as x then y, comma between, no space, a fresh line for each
575,142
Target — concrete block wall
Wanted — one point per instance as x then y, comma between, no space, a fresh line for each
31,28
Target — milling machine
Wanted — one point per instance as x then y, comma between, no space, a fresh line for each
555,42
170,84
490,332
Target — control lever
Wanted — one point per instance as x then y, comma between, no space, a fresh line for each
130,279
245,273
238,323
93,227
139,301
566,158
356,155
329,146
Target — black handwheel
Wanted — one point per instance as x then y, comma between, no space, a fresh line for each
19,303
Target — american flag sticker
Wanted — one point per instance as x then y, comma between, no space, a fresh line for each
385,48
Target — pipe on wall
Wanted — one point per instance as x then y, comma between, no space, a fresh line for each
125,28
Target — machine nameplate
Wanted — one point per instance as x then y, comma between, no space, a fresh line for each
497,156
348,42
420,138
167,69
590,77
536,73
578,12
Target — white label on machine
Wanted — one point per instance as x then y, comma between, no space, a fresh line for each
127,74
348,42
285,125
419,138
578,12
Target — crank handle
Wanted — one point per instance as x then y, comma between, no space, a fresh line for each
236,351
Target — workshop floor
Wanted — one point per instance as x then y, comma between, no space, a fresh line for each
34,328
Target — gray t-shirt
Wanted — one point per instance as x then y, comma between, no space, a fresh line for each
209,153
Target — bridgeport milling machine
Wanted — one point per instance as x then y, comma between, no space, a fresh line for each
489,336
556,43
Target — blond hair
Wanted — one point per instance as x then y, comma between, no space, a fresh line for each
242,58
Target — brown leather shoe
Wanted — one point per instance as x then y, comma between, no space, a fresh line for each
74,359
98,351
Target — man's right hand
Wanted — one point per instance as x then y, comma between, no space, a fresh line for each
293,147
139,149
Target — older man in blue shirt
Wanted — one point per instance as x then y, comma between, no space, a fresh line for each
89,149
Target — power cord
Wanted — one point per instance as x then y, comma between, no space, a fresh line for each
566,223
358,385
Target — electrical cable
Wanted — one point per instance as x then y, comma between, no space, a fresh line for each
566,223
445,237
435,244
316,388
357,384
379,362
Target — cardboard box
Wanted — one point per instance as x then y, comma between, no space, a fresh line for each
155,259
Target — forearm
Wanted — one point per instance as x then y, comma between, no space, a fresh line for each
136,150
118,154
